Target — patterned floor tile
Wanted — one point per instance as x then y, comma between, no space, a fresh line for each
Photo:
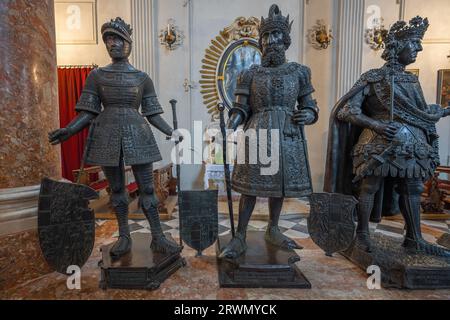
437,224
389,228
222,229
390,234
286,224
174,233
258,224
282,229
300,228
296,234
173,223
225,223
143,223
429,237
395,224
134,227
143,230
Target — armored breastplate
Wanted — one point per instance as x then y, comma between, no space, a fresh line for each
120,88
275,89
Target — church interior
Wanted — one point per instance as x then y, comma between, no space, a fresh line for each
194,52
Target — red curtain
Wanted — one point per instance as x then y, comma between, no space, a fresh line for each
70,83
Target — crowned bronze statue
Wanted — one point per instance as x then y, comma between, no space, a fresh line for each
274,96
383,136
120,134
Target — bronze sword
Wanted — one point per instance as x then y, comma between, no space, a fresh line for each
221,109
173,103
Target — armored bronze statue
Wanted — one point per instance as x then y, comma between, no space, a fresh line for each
383,136
120,134
266,98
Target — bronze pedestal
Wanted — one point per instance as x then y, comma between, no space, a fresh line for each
399,268
263,265
141,268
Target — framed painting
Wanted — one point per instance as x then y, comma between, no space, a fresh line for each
76,22
443,95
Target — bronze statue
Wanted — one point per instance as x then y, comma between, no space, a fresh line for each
383,136
120,134
266,98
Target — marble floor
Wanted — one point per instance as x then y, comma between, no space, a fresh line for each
331,277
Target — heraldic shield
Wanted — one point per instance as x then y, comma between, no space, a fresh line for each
199,218
66,224
331,222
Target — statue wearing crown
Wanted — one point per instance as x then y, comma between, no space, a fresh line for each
383,136
274,97
119,102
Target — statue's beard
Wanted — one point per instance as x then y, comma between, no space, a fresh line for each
273,56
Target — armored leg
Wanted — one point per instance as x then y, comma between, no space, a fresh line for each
119,201
273,233
410,191
369,188
149,204
237,245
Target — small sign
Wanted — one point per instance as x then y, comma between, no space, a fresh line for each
76,22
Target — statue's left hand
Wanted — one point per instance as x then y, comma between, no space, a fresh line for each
303,117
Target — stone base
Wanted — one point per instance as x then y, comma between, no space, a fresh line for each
139,269
444,240
261,266
399,268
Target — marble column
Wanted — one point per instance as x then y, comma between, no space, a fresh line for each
142,21
350,44
28,108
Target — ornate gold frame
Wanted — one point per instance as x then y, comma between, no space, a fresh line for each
241,28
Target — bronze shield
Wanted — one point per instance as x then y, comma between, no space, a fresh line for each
331,222
66,224
199,218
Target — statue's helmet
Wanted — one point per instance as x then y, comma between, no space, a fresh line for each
276,21
118,27
400,33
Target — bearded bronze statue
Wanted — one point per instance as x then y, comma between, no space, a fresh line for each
383,136
266,98
120,134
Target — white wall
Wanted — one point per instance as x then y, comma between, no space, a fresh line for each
95,53
323,75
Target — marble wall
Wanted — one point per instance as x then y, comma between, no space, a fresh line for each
29,107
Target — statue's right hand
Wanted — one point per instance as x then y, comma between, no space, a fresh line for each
57,136
389,130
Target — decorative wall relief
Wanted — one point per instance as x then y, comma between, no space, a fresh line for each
376,35
320,35
234,50
171,36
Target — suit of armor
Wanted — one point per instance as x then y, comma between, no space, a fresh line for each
383,134
120,135
118,126
266,98
272,95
